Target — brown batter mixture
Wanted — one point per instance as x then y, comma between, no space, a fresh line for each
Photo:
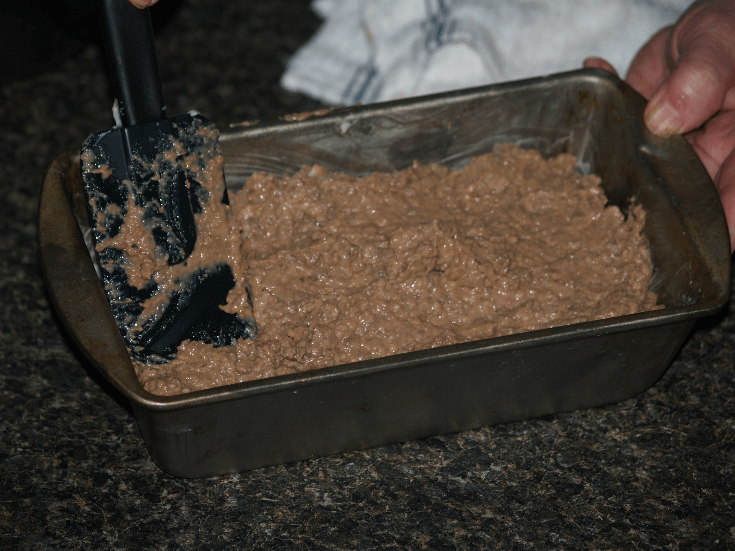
343,269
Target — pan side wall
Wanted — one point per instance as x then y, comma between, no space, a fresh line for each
395,405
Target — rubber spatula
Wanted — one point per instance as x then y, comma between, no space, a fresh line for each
156,194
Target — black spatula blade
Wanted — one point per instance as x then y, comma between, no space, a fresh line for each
144,190
151,187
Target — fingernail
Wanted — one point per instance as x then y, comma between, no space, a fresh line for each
662,119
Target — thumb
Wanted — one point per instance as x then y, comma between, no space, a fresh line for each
703,72
649,69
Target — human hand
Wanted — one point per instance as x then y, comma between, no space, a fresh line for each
687,72
142,3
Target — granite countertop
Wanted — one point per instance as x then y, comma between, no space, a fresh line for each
654,471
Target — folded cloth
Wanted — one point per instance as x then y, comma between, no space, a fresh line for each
376,50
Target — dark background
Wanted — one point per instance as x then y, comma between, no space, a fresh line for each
655,471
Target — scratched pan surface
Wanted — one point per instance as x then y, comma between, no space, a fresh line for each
587,113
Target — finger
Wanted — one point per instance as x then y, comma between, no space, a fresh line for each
726,186
715,142
729,100
697,87
692,94
143,3
599,63
649,68
715,146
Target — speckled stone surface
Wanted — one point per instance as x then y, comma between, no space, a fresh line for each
653,472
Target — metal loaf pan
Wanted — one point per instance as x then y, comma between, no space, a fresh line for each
244,426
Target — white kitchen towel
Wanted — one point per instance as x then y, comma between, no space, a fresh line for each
376,50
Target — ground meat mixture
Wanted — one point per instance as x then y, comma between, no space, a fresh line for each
343,269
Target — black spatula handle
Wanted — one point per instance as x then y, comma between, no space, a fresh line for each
127,37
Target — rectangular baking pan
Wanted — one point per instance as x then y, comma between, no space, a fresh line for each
588,113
